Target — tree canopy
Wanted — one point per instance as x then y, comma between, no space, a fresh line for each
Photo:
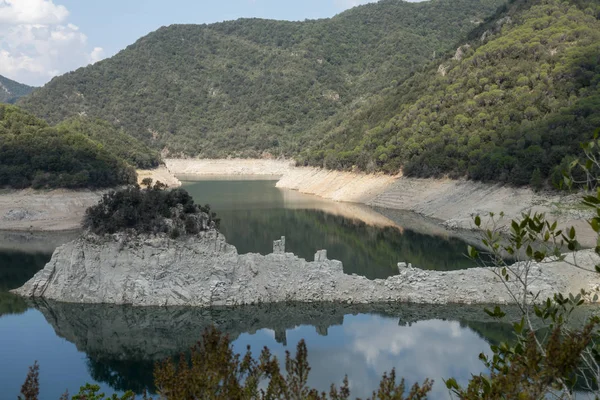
114,140
511,105
429,89
33,154
251,86
150,210
11,91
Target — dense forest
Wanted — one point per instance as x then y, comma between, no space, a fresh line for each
252,86
33,154
482,89
11,91
511,105
114,140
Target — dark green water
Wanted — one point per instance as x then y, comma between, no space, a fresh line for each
254,213
117,347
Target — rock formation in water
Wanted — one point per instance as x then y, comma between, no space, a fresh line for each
204,270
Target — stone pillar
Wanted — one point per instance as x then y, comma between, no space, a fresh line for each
321,255
402,266
280,336
322,330
279,246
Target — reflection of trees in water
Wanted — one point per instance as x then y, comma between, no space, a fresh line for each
16,268
123,343
123,375
364,249
11,304
492,332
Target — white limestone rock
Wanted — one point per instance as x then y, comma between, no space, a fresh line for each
204,270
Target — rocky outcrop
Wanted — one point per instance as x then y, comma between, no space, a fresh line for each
204,271
460,52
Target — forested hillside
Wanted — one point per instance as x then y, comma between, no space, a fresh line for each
250,86
512,105
116,141
11,91
32,154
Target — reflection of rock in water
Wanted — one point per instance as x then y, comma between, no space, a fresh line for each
122,343
149,333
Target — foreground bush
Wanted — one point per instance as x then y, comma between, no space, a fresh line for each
215,372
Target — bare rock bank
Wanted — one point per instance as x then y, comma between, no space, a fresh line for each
329,184
452,202
161,174
43,210
204,271
456,202
235,166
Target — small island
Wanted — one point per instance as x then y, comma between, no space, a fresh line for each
155,247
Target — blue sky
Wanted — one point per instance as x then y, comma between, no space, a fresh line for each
40,39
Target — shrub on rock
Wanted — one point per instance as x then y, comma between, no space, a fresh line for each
149,210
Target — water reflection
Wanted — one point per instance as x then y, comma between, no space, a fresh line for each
17,267
118,346
254,213
122,343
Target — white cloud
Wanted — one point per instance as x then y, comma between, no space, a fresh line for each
96,55
366,346
37,42
31,12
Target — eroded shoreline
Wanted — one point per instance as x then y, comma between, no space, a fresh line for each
452,203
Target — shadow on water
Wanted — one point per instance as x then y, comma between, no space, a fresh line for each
17,267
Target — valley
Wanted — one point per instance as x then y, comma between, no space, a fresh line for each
406,186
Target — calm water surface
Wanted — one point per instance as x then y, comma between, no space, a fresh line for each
254,213
117,346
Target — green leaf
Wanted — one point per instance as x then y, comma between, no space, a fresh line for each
477,221
451,384
473,253
595,223
539,256
529,251
515,226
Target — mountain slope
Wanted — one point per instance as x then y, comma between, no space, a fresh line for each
249,86
511,105
32,154
11,91
113,140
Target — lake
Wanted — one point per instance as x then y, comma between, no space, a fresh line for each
117,347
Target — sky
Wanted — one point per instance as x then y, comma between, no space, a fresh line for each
40,39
